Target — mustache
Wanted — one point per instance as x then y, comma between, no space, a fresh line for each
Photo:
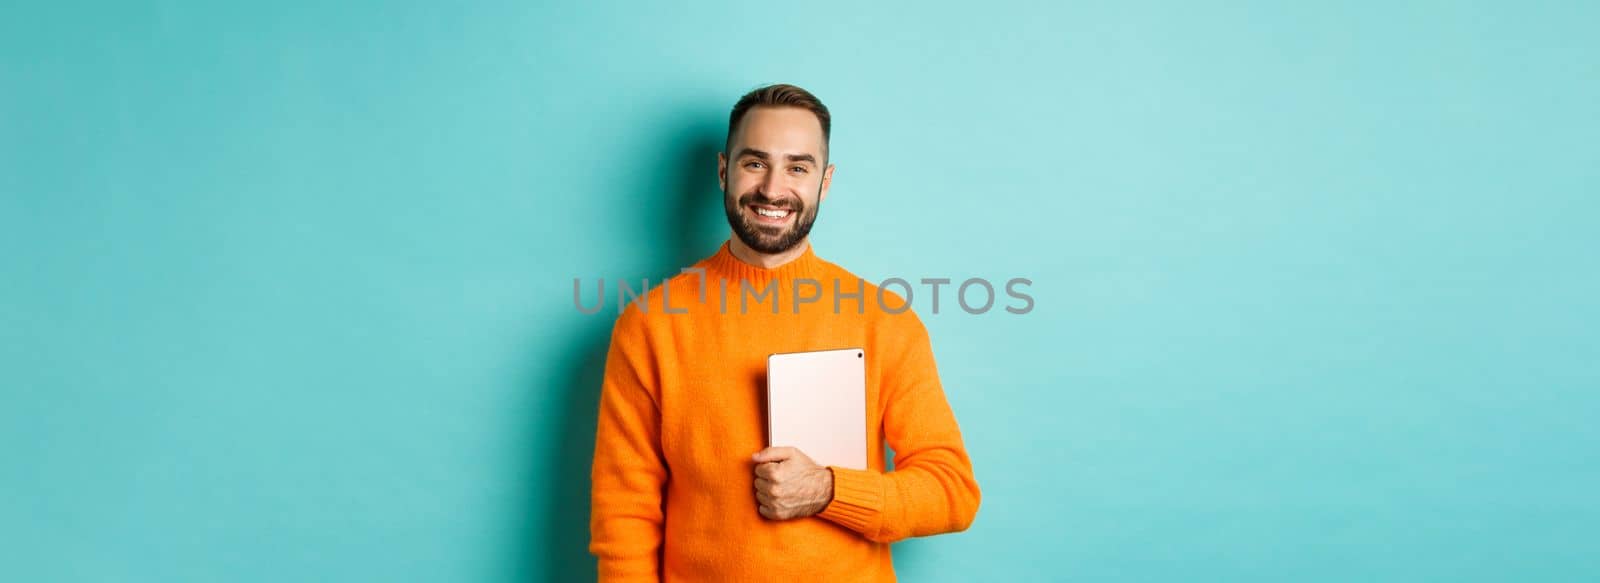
762,199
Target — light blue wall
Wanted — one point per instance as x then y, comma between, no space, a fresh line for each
285,289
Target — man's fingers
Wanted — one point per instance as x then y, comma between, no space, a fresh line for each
763,484
767,470
771,512
763,499
774,454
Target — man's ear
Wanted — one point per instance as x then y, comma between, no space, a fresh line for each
722,170
827,180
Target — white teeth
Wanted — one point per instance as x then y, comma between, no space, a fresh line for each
777,214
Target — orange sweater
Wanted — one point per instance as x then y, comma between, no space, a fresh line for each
682,409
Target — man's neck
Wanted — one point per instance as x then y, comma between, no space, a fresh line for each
744,253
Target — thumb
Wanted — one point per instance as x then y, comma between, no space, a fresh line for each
773,454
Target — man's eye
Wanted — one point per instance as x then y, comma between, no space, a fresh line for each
800,169
752,165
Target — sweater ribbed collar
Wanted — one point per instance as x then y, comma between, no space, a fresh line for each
724,265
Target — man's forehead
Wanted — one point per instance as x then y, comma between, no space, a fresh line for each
780,131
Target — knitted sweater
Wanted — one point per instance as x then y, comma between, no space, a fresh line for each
682,409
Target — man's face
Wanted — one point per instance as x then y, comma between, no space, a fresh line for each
773,178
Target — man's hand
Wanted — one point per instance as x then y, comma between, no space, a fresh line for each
790,485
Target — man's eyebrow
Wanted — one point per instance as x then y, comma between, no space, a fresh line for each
762,155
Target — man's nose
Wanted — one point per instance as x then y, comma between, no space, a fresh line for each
769,185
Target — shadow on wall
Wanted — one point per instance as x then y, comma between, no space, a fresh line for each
684,184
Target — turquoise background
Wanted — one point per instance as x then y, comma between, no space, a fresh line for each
285,292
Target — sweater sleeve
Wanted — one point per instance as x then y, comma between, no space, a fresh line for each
629,470
932,489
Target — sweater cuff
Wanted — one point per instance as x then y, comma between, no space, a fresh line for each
857,499
611,572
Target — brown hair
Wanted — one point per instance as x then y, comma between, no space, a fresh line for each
779,95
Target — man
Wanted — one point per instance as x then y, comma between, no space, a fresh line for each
684,487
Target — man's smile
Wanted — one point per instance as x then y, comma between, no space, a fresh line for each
769,215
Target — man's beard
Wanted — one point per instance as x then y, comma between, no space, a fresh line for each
769,239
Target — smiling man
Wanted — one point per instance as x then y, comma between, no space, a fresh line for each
684,488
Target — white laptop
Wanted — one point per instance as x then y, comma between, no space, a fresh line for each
817,402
